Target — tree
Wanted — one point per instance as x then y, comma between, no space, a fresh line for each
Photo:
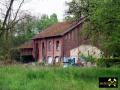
103,24
25,30
31,25
77,9
46,21
53,18
9,18
17,26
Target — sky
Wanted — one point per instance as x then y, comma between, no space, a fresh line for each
39,7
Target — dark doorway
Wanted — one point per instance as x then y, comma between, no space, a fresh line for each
27,58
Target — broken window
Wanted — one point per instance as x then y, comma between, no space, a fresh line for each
49,45
57,45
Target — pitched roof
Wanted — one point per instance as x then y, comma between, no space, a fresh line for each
27,45
58,29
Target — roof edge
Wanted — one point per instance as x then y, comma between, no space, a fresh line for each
82,20
71,28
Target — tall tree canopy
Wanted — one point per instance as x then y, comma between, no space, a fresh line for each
103,23
45,21
77,9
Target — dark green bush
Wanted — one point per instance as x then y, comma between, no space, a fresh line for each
102,62
108,62
89,58
15,54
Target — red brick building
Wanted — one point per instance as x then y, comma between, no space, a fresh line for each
54,43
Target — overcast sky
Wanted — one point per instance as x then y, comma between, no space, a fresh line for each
39,7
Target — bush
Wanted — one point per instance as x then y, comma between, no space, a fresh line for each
101,62
42,63
108,62
88,58
15,54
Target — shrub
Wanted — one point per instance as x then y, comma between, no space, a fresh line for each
88,58
42,63
108,62
101,62
15,54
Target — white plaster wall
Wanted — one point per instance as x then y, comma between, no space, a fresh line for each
86,50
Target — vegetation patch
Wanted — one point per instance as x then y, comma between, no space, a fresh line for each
50,78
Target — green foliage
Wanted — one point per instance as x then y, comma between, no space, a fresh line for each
15,54
103,23
4,48
88,58
108,62
22,32
49,78
26,29
77,9
101,62
46,21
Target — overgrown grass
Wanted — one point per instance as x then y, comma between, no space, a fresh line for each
49,78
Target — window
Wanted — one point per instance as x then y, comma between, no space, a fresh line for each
50,60
69,35
66,37
57,45
49,45
57,59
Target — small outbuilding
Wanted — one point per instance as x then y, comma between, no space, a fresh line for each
26,51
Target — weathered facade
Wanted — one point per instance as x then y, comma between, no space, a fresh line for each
54,44
57,42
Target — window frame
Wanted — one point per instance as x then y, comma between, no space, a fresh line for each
49,45
57,45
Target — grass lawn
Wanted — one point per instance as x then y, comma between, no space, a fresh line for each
48,78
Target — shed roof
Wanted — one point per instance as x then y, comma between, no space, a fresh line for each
27,45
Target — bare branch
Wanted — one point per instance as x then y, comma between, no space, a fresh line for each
7,13
18,10
16,14
14,23
8,23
